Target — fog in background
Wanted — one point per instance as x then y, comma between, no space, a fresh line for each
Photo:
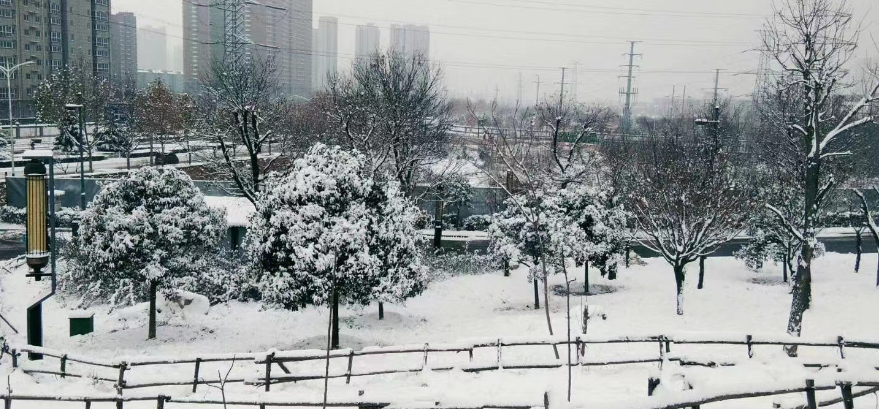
485,46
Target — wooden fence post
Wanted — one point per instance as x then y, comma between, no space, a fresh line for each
811,402
499,346
350,365
119,403
160,402
88,404
577,348
841,342
195,377
269,359
652,384
748,340
424,364
7,403
546,400
470,352
120,382
848,401
64,366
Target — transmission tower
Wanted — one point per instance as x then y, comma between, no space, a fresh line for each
629,91
235,39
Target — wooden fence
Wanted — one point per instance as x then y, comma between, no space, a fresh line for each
281,359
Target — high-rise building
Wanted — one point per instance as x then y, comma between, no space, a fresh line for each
123,48
152,48
410,39
53,34
277,29
325,49
367,41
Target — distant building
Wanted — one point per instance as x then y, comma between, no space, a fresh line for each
410,39
281,31
123,48
152,50
174,80
53,34
325,49
367,41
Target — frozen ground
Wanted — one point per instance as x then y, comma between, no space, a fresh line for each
459,307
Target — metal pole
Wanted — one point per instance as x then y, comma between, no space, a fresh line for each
81,163
11,137
52,218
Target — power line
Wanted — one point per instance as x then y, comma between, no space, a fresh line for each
654,13
627,9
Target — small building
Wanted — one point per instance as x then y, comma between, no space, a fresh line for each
238,212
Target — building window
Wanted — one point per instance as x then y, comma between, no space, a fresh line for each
102,42
55,36
7,13
55,20
7,31
100,52
27,17
38,19
37,33
56,48
27,47
103,67
7,44
8,61
7,3
102,2
101,27
100,15
56,65
54,8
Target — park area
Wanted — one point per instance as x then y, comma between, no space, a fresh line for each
459,320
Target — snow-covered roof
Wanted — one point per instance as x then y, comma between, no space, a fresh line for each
238,209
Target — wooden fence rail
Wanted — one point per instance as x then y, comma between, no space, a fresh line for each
280,358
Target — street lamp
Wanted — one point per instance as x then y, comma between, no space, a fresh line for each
8,72
79,141
41,250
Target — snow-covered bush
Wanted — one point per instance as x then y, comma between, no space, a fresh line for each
602,222
146,230
327,232
477,222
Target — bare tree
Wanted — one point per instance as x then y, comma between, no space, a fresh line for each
241,107
870,220
685,210
394,109
158,114
811,41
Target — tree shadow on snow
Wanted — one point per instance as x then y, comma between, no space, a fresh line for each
766,280
577,289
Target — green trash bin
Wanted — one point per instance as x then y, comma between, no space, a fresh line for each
81,323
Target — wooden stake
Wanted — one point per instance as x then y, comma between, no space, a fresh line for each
847,400
499,345
195,376
350,365
811,402
64,366
269,359
841,342
748,339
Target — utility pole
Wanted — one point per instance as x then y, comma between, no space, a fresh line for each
562,91
537,97
684,101
716,84
9,72
629,91
672,108
574,83
519,90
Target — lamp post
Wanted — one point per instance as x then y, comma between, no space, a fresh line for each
79,141
41,251
8,72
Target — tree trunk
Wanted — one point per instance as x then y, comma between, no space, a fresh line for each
785,263
612,272
128,161
506,268
546,307
586,277
679,285
335,314
381,310
857,251
91,162
536,295
701,273
154,285
628,254
152,151
802,281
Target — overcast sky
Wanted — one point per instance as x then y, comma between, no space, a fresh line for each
486,45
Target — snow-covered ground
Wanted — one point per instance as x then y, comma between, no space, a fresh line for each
489,306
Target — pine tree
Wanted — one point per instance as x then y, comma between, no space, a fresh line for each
145,231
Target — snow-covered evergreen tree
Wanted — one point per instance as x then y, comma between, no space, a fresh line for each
327,232
145,231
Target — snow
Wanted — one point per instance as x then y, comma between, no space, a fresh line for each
238,209
461,310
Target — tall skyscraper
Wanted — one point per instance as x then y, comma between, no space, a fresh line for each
152,50
123,48
53,34
325,50
277,29
367,41
410,39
